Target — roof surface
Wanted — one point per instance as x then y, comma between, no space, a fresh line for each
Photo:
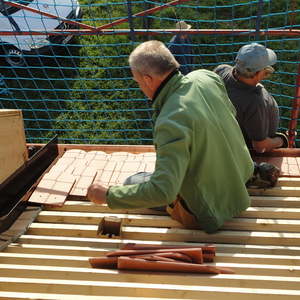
50,259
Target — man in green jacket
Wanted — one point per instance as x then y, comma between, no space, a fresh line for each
202,161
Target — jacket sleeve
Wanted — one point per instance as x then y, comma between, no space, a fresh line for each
172,141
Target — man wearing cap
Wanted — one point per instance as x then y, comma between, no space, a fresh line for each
257,110
180,47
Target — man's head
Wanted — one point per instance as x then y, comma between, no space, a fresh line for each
181,25
151,62
255,59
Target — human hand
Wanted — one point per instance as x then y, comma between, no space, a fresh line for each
97,193
284,138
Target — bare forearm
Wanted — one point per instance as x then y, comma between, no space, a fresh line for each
267,144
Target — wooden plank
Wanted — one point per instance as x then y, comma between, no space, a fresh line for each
109,244
63,230
270,225
276,191
72,241
288,181
286,207
45,260
82,287
172,234
293,202
251,212
260,204
280,152
241,237
166,221
272,213
57,250
90,274
252,258
52,296
95,218
87,206
112,148
237,257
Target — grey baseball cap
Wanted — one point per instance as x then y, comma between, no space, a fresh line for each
254,57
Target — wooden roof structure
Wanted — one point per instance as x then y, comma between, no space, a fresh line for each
45,253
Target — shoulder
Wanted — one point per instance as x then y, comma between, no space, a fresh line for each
207,81
262,91
203,74
266,97
174,122
223,69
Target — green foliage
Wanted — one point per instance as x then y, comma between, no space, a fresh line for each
85,93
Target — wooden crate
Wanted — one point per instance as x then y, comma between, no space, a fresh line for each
13,152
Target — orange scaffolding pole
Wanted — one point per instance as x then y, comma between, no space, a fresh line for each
231,32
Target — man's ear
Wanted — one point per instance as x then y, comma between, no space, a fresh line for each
148,81
152,83
260,75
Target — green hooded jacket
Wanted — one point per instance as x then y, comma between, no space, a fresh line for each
200,153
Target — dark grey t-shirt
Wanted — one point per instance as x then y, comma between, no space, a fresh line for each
257,110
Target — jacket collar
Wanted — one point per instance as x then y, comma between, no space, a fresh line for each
165,81
163,94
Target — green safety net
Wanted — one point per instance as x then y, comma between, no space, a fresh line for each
79,85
